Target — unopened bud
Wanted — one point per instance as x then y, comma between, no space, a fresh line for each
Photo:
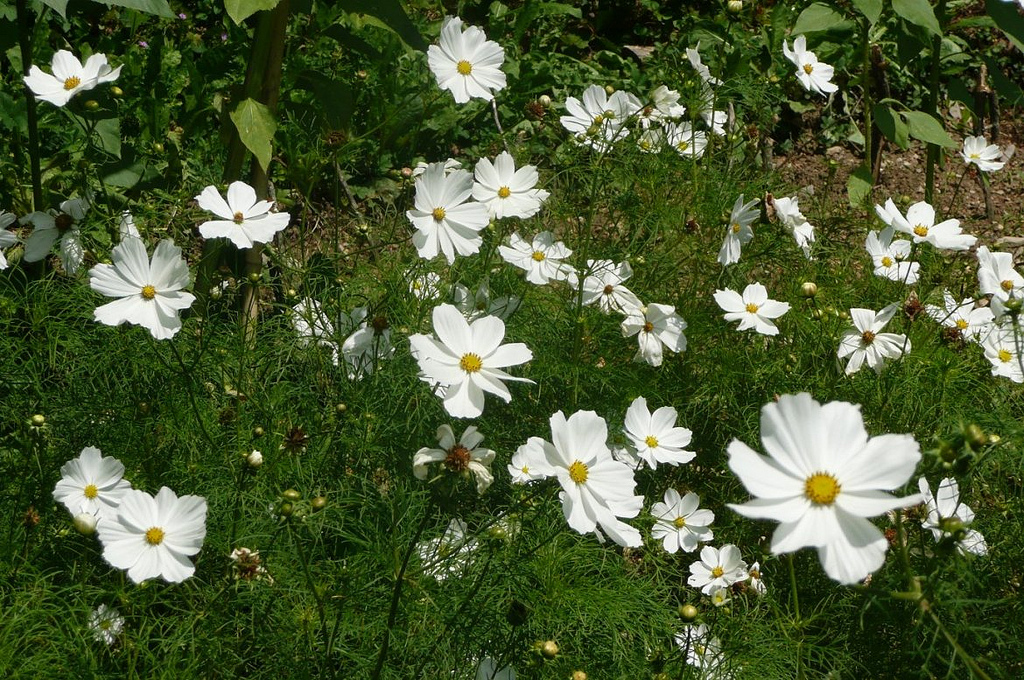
254,277
38,420
688,612
254,459
292,495
735,6
809,289
318,503
609,89
976,438
544,101
116,91
92,105
579,675
549,649
85,523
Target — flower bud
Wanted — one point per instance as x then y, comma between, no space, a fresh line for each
687,612
579,675
254,277
341,408
38,420
85,523
406,172
544,101
291,494
318,503
809,289
735,6
116,91
257,431
549,649
285,510
609,89
92,105
976,438
254,459
158,147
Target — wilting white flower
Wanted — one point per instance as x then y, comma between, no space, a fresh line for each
787,209
106,623
754,580
149,292
466,63
244,219
655,436
7,238
69,77
92,483
679,522
599,120
685,140
664,105
717,568
972,322
815,76
979,152
703,652
866,343
889,256
543,260
655,326
47,228
947,515
822,478
505,191
752,309
458,457
446,221
603,285
155,536
919,223
738,233
425,286
693,56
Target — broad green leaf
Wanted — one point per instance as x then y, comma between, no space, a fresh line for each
240,10
351,41
157,7
1008,19
108,130
892,126
256,129
872,9
922,126
919,13
333,96
858,187
58,6
390,15
819,17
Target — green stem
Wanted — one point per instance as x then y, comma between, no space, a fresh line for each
865,80
933,103
25,43
796,617
301,551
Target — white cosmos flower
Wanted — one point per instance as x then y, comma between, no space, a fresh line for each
651,140
703,652
47,228
505,191
126,227
815,76
865,343
945,506
679,522
787,209
92,483
462,457
519,467
919,223
69,77
106,624
7,238
655,436
822,478
739,232
425,286
367,341
754,580
603,285
155,536
1001,350
449,165
449,554
244,219
979,152
596,489
972,322
664,105
752,309
655,326
150,293
996,275
313,326
890,256
466,63
466,360
444,221
599,120
717,568
542,260
685,140
475,305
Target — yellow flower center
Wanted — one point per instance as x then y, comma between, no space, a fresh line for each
679,522
921,230
91,491
1006,285
525,469
72,82
504,192
578,472
148,292
808,68
975,156
717,572
683,146
106,624
868,337
736,227
644,144
651,441
537,256
1004,355
821,488
598,119
886,261
755,574
470,363
438,214
648,327
752,308
154,536
464,68
961,324
238,217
